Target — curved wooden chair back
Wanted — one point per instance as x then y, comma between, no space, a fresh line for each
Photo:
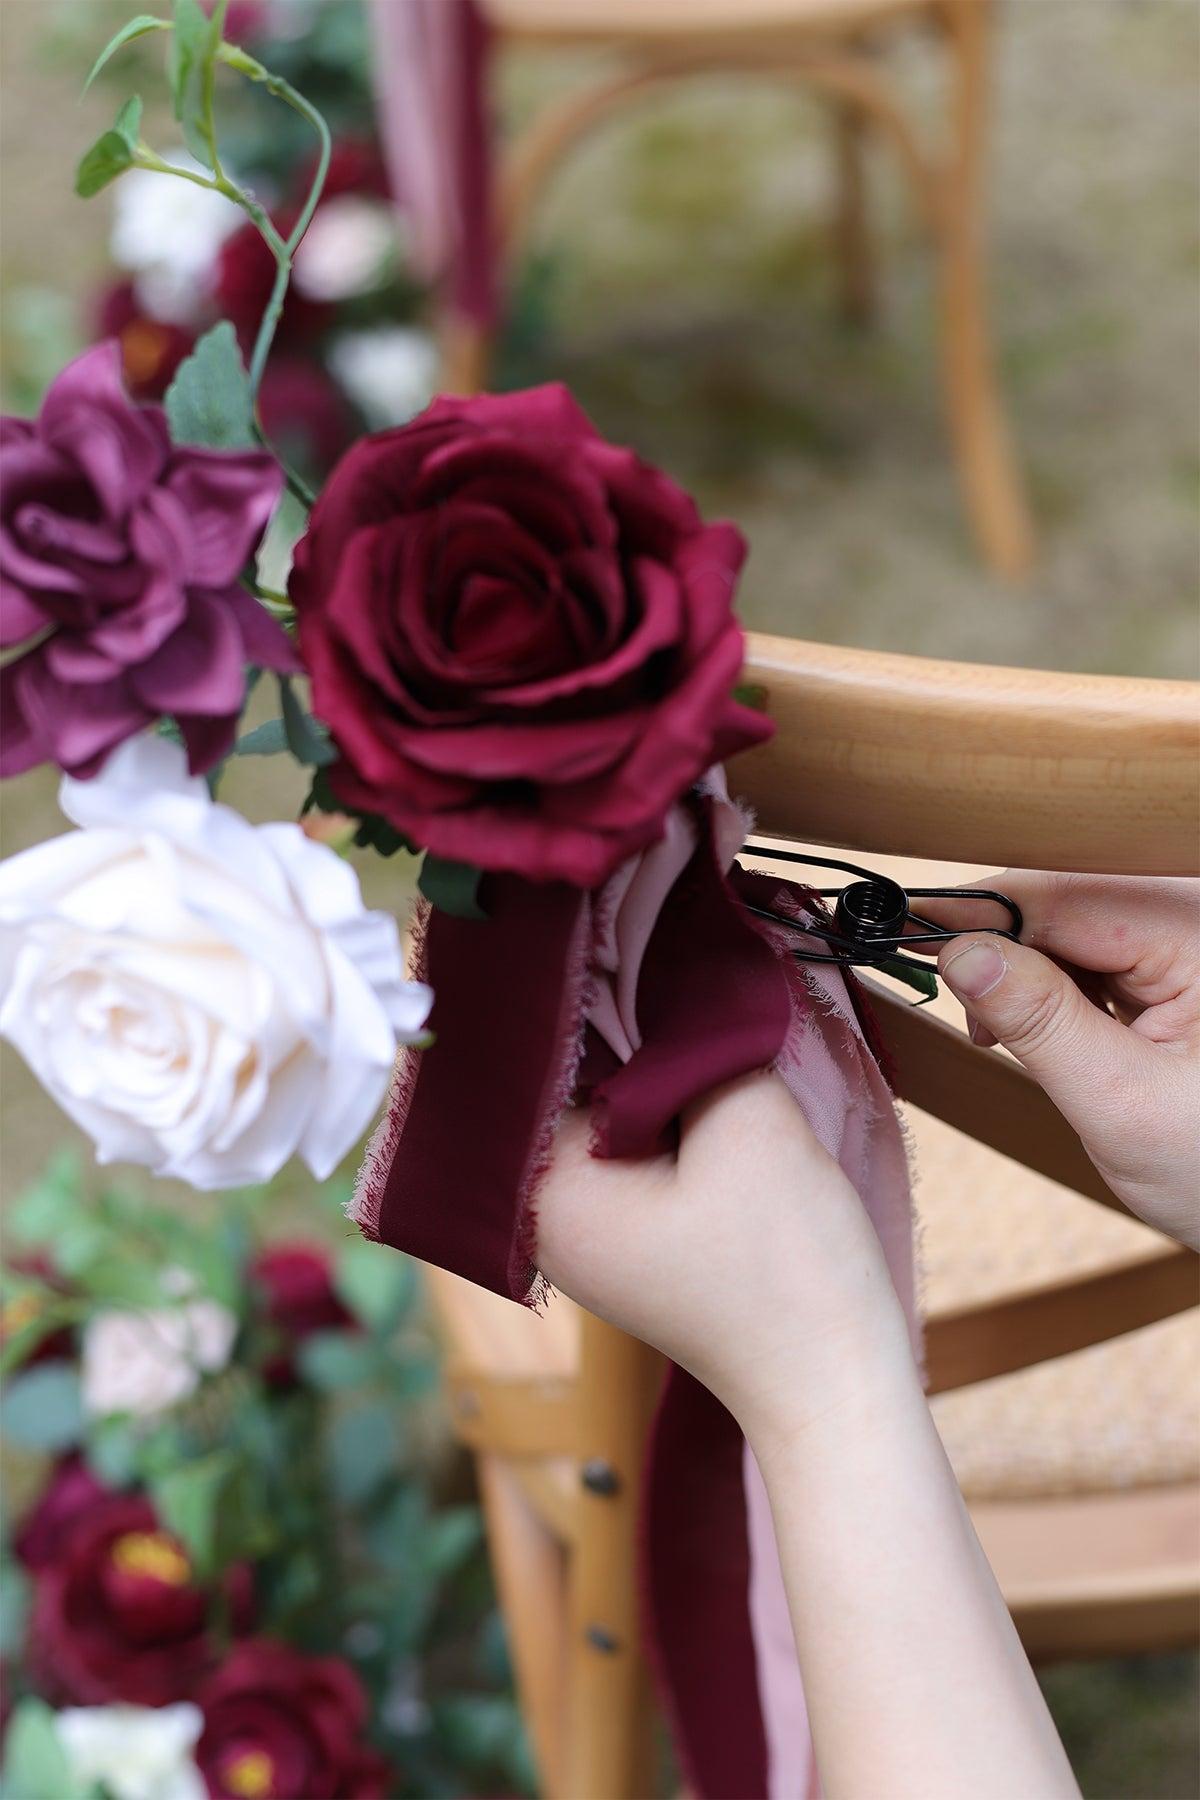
830,48
872,753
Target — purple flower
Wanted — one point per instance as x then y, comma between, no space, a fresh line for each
120,554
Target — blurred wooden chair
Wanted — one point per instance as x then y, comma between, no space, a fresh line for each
1096,1544
833,47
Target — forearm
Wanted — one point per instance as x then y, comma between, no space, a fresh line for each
916,1681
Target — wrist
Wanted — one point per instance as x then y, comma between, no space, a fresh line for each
843,1366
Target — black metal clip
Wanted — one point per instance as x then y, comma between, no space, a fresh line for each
873,917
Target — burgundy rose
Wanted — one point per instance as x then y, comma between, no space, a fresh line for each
119,556
305,415
67,1497
298,1298
520,635
284,1726
118,1615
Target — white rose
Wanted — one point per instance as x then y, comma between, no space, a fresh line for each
351,246
137,1752
390,374
167,233
146,1362
201,995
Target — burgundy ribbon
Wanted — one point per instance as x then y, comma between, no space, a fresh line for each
525,1018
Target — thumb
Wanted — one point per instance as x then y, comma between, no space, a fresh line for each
1028,1004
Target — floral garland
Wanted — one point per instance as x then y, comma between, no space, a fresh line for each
522,658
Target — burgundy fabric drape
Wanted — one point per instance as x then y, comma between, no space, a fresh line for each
429,72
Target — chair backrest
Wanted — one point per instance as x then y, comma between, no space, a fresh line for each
1012,767
966,763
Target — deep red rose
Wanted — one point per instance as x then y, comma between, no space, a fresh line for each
305,415
67,1497
298,1298
285,1726
117,1614
520,636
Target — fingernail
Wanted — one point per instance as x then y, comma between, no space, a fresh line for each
979,1034
974,971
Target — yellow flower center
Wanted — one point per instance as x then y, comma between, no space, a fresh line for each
250,1776
142,348
21,1311
151,1553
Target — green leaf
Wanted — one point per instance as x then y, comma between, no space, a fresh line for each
42,1408
923,980
451,1537
307,738
112,153
134,28
452,887
14,1608
209,401
269,739
377,1283
752,694
44,1209
192,48
339,1359
35,1763
216,1508
188,1500
113,1450
362,1449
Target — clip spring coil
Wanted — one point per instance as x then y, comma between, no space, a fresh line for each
873,918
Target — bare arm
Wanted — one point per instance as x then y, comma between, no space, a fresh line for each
750,1261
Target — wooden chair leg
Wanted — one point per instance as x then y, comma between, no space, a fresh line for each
985,457
530,1569
610,1747
853,254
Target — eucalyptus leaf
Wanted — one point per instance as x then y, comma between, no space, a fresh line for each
209,402
377,1283
56,1196
307,738
268,739
453,887
362,1449
35,1763
112,153
216,1508
133,28
451,1537
339,1359
14,1608
43,1408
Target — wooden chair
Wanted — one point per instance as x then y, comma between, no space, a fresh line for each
831,46
876,754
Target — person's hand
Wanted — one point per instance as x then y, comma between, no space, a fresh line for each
1101,1002
748,1258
